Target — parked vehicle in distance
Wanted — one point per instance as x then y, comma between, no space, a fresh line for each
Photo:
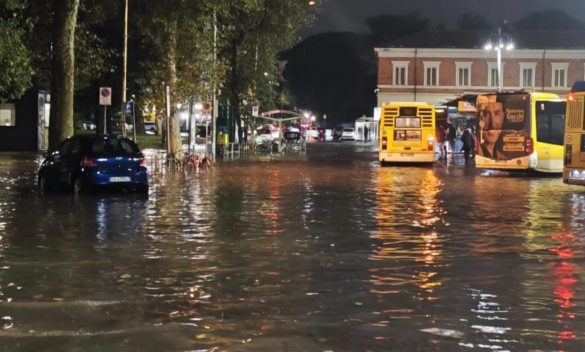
348,134
84,163
311,134
264,135
337,132
150,128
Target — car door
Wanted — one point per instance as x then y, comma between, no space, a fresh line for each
52,164
70,161
64,162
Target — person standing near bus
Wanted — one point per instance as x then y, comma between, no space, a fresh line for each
451,134
468,143
440,137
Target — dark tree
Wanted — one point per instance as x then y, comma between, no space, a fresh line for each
333,74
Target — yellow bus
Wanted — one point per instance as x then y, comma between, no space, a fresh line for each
407,133
520,131
574,167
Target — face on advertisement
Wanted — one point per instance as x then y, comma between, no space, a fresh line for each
491,121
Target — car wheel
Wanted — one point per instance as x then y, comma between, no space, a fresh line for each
42,184
142,190
78,187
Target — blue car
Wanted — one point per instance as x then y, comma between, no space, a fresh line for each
84,163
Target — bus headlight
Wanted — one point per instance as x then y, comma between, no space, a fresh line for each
577,174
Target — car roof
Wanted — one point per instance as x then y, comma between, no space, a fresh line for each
100,137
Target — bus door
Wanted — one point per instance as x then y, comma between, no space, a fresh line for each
550,128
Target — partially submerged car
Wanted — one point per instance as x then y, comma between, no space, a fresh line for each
84,163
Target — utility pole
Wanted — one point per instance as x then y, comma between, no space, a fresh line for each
214,89
168,119
124,70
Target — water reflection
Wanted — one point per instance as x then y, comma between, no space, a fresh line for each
409,246
297,255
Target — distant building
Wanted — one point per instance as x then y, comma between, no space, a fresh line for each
438,66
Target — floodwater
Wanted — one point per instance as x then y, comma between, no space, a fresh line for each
327,252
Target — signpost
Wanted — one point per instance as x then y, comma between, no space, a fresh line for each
129,111
105,101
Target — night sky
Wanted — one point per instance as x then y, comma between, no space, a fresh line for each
349,15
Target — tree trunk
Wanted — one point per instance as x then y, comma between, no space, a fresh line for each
175,143
62,70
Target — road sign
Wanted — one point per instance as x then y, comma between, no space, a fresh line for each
129,107
255,110
105,96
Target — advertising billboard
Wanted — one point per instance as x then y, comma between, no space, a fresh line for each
503,124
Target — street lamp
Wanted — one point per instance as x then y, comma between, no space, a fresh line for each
499,42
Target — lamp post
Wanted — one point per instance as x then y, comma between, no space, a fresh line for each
124,69
499,42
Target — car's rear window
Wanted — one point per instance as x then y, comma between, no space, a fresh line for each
114,146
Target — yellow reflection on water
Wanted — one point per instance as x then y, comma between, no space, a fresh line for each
271,207
408,214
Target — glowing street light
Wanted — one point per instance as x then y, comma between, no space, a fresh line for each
499,42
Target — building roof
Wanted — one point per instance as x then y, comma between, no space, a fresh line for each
476,39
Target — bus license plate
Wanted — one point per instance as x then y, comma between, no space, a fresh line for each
120,179
406,155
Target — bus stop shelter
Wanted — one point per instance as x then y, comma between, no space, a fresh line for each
366,129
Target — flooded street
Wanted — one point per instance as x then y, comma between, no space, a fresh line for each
324,252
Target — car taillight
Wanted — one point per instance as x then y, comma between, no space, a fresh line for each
529,145
88,162
431,143
384,142
141,159
568,155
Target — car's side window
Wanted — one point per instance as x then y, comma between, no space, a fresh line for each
64,148
127,147
75,147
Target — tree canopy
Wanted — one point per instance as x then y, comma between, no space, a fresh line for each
15,64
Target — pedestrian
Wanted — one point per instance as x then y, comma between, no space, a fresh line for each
451,134
440,136
468,143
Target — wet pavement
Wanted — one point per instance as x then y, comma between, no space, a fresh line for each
323,252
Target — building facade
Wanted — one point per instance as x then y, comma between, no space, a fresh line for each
438,75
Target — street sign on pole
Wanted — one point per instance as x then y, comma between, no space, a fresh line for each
105,96
255,110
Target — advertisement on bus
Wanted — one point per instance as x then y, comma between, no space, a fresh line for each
503,122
